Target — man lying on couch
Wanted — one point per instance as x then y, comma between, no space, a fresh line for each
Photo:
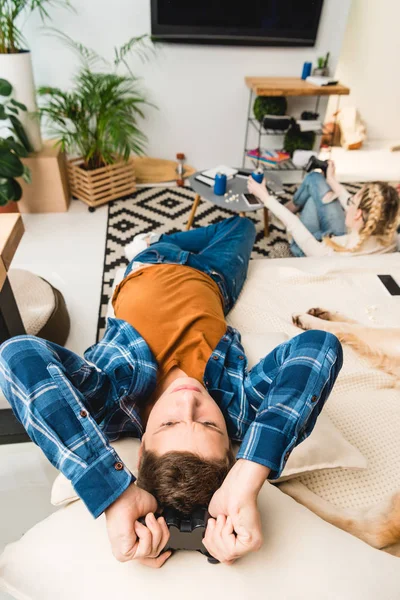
171,372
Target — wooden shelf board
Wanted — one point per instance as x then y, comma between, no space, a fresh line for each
292,86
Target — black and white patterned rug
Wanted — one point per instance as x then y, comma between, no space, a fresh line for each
166,210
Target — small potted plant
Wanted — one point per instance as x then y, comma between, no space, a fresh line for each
97,121
15,59
322,69
12,149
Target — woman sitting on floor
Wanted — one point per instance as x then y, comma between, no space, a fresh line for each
371,217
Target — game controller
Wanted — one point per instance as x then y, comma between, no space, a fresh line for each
186,531
315,163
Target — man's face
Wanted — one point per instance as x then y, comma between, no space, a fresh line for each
186,418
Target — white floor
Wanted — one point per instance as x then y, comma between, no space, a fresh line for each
68,250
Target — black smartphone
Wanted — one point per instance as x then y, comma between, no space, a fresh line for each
392,287
252,200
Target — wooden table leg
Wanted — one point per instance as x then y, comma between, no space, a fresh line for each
266,222
196,202
10,318
11,430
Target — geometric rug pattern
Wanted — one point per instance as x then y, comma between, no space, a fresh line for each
166,210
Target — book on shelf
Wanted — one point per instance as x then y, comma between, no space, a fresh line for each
321,81
270,157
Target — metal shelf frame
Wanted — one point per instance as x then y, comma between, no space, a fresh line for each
286,165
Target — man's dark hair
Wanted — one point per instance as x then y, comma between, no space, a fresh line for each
183,480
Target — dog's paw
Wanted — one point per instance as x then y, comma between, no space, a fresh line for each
320,313
299,320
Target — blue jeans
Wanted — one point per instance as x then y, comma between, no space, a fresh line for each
319,218
222,251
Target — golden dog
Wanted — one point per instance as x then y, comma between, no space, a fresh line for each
380,346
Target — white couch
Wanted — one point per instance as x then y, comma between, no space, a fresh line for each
68,556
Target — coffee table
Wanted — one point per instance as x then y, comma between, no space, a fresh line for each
238,185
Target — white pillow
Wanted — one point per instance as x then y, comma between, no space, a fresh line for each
68,557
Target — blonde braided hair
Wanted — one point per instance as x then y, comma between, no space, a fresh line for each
380,206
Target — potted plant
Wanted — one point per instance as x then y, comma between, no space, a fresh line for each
269,105
295,139
12,149
15,59
322,69
98,121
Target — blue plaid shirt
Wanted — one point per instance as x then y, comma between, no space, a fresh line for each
72,407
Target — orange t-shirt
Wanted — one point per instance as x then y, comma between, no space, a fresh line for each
178,310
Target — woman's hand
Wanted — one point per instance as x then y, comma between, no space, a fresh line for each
258,189
331,171
235,505
129,538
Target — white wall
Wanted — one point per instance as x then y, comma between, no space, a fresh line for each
200,90
369,65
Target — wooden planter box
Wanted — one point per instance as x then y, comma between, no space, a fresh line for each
101,185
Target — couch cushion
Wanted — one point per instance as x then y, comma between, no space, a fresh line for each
68,556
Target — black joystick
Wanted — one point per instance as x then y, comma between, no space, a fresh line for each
315,163
186,531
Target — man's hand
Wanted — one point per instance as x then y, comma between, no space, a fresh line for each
235,506
129,538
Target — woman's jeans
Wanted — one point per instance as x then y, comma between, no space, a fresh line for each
319,218
222,251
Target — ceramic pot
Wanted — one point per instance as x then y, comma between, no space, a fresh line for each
17,69
10,207
324,72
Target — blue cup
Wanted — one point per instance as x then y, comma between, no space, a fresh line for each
220,184
306,70
258,176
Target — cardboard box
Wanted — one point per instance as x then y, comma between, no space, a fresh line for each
49,191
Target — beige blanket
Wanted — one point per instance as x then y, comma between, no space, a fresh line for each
363,405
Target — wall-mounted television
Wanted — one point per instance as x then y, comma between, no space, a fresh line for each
252,23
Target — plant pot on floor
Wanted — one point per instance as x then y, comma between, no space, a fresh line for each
99,186
17,69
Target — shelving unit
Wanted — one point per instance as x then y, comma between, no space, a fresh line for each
282,86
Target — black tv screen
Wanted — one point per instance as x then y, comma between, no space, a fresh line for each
258,22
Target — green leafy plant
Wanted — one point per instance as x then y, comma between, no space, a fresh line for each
269,105
295,139
98,118
12,148
11,11
322,61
